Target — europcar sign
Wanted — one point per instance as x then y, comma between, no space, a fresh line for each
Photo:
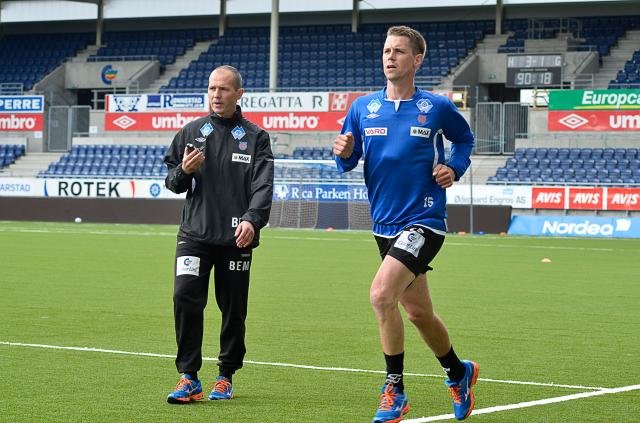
594,110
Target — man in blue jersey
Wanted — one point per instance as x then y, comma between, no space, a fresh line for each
398,132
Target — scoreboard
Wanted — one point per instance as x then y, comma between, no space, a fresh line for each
534,70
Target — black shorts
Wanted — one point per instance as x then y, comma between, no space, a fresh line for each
414,247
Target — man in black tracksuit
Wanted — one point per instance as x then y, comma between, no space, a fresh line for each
225,164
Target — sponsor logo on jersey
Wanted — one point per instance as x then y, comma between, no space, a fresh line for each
410,242
424,105
206,129
419,131
238,132
188,265
372,116
372,132
374,105
242,158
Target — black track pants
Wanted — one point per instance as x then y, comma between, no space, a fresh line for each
231,265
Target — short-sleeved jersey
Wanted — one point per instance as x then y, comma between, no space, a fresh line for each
401,142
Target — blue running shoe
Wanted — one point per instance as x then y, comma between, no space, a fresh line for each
222,389
463,399
393,405
186,390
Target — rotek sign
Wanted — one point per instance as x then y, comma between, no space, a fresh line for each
21,113
89,188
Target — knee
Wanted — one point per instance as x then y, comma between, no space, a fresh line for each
419,315
380,299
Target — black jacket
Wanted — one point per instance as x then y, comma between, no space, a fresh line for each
234,183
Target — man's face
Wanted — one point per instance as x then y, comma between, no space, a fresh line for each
398,60
223,95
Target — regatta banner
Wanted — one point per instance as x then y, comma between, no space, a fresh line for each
594,110
21,113
305,111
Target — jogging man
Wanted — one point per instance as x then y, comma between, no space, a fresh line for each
225,165
399,133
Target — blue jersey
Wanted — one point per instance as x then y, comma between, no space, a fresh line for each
401,142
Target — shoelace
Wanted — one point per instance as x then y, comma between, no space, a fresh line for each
387,398
221,386
183,384
454,392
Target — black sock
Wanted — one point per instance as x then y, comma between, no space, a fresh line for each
452,366
192,375
395,367
226,373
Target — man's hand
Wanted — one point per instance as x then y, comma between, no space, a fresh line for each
244,234
192,160
343,145
444,175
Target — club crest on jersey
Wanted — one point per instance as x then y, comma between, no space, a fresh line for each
424,105
206,129
374,105
238,132
422,119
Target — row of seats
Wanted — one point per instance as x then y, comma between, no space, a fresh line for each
629,76
344,58
9,153
312,153
620,166
599,33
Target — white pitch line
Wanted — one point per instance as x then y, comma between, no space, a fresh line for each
526,404
297,366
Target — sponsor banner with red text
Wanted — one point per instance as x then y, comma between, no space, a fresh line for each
594,120
306,111
161,121
297,121
547,198
21,113
586,198
21,122
623,199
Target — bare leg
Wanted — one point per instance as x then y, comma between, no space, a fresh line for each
387,288
417,302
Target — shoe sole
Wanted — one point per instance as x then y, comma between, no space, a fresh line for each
405,410
221,399
196,397
474,379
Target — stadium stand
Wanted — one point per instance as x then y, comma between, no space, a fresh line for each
146,161
9,153
596,33
164,45
320,56
560,166
25,59
113,161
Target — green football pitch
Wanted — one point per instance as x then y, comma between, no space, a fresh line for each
86,332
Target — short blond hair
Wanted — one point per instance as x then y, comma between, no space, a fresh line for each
416,40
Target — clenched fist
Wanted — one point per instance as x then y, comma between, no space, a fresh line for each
343,145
